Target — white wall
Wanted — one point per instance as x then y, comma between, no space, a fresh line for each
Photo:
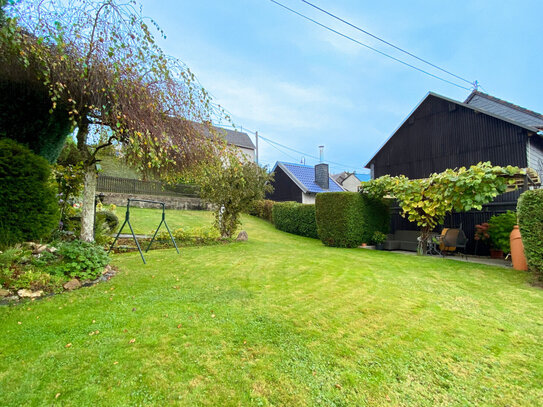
246,154
351,183
308,198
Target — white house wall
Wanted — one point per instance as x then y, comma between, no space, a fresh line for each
308,198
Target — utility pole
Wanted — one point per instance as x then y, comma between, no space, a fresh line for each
256,135
321,153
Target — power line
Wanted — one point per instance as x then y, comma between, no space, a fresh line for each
386,42
275,145
369,47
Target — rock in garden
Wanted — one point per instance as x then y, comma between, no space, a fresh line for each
4,293
23,293
51,249
242,237
72,284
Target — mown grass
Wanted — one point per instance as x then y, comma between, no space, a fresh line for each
145,221
280,320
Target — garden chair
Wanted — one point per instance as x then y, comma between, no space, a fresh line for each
452,240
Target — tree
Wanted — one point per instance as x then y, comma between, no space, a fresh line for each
427,201
232,186
101,59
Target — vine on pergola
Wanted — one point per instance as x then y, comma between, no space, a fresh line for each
427,201
101,59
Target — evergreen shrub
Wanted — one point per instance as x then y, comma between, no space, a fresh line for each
348,219
530,219
296,218
28,208
262,209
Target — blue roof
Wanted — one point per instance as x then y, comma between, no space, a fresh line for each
363,177
305,175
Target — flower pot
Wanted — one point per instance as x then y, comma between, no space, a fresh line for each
517,250
496,254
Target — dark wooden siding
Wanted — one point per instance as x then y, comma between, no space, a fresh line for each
440,135
284,188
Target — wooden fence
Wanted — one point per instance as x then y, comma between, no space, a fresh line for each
137,187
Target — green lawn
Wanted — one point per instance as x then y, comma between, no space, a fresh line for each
145,221
280,320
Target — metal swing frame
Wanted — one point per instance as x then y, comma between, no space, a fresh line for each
127,220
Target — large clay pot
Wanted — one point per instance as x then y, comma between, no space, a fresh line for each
517,250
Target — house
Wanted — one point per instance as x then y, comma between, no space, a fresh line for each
350,181
237,139
301,183
240,140
443,133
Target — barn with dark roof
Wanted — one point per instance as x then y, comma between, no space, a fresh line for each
443,133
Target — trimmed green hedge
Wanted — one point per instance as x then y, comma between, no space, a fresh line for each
294,217
530,219
262,209
28,208
348,219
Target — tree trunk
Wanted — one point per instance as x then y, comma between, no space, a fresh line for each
423,241
87,209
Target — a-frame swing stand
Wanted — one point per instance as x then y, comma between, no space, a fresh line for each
127,220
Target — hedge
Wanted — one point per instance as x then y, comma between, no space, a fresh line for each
530,219
296,218
262,209
28,208
348,219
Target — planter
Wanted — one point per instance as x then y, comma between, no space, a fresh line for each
517,250
496,254
380,246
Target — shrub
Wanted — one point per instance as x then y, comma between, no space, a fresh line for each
109,218
296,218
192,236
530,219
263,209
347,219
28,208
499,229
82,260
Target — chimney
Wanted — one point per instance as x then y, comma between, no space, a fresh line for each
321,176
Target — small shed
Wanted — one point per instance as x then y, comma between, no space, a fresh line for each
301,183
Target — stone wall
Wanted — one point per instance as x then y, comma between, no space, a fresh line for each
172,202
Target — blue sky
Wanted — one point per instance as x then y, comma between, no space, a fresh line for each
302,86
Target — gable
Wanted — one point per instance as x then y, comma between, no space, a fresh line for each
442,133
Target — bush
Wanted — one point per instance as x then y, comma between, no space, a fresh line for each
500,228
530,219
109,218
28,208
192,236
263,209
347,219
296,218
82,260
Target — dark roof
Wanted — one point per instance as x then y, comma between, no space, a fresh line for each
232,137
304,177
236,138
502,108
467,105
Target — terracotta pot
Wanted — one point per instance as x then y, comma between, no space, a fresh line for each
496,254
517,250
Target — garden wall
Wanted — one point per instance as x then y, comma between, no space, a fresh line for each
172,202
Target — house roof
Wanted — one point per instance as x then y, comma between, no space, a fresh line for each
232,137
304,176
342,176
473,107
236,138
505,109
